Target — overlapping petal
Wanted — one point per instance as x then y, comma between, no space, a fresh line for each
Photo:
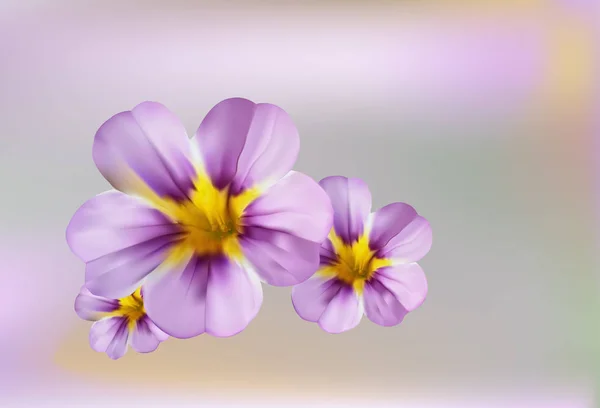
145,336
209,294
400,234
351,201
244,144
110,336
92,307
334,305
146,147
393,292
121,239
283,229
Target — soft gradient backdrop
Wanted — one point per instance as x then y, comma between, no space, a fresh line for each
481,114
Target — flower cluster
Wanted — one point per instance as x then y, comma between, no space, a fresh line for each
192,228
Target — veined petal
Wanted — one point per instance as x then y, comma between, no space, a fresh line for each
400,234
176,301
245,144
327,253
295,205
145,336
110,336
92,307
145,147
311,298
112,221
121,239
394,292
351,201
280,259
335,306
344,312
210,294
283,230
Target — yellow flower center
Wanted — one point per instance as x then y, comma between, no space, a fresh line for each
209,220
131,308
355,264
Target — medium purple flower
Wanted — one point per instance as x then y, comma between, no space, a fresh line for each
118,323
200,222
368,262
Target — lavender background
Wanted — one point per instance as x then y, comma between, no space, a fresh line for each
480,114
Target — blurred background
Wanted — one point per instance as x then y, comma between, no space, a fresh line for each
480,114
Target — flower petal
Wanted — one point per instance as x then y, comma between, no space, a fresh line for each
343,313
394,292
145,336
351,201
283,229
110,336
334,305
245,144
112,221
233,300
311,298
327,253
147,144
121,239
91,307
119,274
400,234
176,302
280,259
212,295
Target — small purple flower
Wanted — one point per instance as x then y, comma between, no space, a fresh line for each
199,223
118,323
368,262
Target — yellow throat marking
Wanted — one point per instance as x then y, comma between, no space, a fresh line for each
209,220
355,263
131,308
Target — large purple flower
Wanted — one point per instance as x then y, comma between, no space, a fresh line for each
200,222
368,262
118,323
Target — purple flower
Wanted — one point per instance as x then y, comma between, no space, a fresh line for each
118,323
368,262
199,223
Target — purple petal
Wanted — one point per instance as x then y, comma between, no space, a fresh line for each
399,233
331,303
351,201
91,307
295,205
327,253
112,221
393,292
280,259
343,313
233,300
118,274
121,239
212,295
283,229
311,298
176,302
110,336
148,143
244,143
145,336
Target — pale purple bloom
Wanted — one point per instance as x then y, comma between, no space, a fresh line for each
199,223
118,323
368,262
